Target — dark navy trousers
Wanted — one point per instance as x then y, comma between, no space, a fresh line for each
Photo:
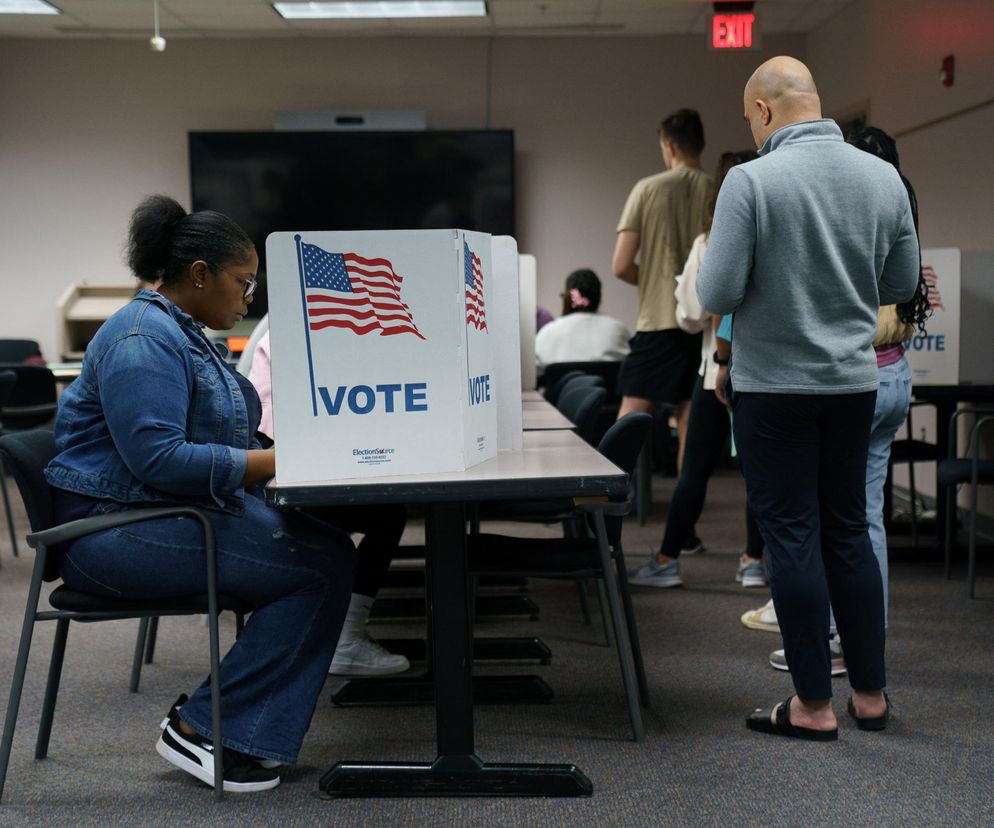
804,461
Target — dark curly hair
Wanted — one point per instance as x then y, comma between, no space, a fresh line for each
917,310
163,239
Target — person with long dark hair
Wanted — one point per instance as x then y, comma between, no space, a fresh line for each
157,417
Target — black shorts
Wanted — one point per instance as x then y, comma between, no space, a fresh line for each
661,367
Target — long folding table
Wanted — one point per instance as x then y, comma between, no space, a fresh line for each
550,464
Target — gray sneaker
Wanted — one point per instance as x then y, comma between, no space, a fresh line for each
656,575
751,574
778,661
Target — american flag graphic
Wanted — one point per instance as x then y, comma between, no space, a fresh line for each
345,290
476,312
932,280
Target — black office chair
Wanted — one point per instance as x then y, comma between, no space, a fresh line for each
607,371
580,404
909,450
32,401
552,391
27,454
7,380
19,350
587,556
955,470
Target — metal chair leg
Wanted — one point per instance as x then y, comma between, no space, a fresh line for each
621,634
602,603
971,555
7,512
581,590
136,661
914,504
950,530
52,687
150,639
20,666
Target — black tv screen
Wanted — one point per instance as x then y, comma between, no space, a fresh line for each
269,181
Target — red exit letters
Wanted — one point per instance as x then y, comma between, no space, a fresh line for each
732,31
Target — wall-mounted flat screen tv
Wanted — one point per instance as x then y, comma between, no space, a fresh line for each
268,181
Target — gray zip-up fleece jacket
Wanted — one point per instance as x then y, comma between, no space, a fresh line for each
808,241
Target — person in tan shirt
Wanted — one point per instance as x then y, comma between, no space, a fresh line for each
662,217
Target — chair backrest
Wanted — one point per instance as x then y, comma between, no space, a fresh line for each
25,455
581,405
607,371
553,390
582,381
621,445
18,350
7,380
33,399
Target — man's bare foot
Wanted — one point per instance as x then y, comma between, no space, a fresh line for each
869,705
812,714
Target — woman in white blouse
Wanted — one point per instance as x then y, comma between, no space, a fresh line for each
581,334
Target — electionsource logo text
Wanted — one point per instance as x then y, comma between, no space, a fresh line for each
373,456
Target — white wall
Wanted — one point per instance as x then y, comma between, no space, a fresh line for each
889,56
89,127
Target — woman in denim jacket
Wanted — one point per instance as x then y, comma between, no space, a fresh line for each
157,417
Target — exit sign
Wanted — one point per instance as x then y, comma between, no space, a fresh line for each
734,31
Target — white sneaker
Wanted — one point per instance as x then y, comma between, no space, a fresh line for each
763,619
365,657
778,660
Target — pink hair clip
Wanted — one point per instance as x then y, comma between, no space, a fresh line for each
577,299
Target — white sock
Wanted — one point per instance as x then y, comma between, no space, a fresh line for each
355,619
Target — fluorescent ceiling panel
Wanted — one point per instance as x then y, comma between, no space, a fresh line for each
382,9
27,7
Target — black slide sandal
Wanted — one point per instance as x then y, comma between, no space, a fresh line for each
870,722
781,726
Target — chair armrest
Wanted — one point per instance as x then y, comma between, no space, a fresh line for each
87,526
952,423
974,443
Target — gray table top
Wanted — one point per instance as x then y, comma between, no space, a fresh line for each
549,464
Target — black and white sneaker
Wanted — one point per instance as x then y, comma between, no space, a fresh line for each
195,755
183,699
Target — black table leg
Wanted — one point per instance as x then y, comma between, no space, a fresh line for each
457,771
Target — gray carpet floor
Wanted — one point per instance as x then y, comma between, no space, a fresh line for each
698,765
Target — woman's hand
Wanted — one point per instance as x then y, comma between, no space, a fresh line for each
261,465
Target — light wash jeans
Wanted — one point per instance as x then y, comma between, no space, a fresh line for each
893,399
298,578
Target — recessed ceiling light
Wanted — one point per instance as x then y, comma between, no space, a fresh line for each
382,9
27,7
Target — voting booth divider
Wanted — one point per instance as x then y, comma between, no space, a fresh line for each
382,352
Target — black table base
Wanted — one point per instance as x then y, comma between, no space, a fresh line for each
454,776
386,691
484,649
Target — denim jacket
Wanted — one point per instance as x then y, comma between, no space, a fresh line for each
155,415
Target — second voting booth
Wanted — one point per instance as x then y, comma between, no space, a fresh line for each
382,355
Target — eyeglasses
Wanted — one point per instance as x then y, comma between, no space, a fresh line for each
248,285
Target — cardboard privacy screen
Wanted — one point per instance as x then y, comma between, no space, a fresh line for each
382,358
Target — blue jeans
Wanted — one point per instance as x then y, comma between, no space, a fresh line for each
893,399
299,580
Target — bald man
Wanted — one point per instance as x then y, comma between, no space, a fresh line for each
808,240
